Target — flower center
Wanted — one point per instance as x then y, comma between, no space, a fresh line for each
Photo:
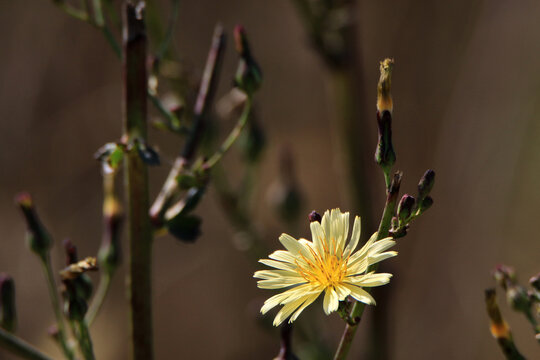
327,270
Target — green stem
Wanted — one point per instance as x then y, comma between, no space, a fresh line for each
170,30
99,298
111,40
20,347
536,327
358,307
71,11
62,335
99,20
236,131
139,229
85,342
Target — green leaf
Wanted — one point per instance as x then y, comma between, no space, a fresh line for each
111,153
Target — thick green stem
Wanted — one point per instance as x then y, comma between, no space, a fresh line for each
358,307
62,335
139,229
20,347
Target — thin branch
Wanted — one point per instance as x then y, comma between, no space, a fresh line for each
20,347
206,91
99,298
236,131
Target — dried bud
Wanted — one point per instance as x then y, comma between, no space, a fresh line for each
405,208
37,237
384,97
499,328
314,216
426,184
8,314
75,270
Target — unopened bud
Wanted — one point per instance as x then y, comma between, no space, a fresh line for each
518,298
8,314
84,287
425,204
37,238
385,155
505,276
314,216
248,75
426,184
75,306
535,282
405,208
240,41
71,252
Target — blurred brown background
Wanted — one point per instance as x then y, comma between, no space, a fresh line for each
466,92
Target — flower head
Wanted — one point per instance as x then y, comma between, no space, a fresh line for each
325,264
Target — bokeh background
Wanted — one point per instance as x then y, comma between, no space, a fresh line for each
466,92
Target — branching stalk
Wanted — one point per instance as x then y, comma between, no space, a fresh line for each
358,307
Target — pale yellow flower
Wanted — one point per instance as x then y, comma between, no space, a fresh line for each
308,268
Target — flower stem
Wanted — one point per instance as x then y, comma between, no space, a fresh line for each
20,347
139,229
85,342
357,310
62,336
99,298
236,131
